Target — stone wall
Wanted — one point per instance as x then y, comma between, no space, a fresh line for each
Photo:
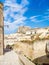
34,51
1,29
39,54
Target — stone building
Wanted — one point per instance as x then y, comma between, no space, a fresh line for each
1,29
39,54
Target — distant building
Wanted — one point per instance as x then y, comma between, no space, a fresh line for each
28,32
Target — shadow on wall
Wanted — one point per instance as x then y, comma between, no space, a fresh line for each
43,60
8,48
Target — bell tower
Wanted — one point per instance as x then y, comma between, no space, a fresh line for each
1,30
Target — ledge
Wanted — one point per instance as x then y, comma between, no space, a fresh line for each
24,60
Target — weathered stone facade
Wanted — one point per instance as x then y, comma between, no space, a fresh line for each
1,29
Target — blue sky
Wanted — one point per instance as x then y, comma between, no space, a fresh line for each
32,13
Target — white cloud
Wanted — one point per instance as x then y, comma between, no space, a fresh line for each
46,16
36,18
47,12
40,18
15,11
24,3
12,27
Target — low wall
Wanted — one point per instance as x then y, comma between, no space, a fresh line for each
25,61
34,51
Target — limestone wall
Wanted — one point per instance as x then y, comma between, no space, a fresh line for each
1,29
39,54
34,51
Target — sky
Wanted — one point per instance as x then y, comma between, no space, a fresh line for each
31,13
